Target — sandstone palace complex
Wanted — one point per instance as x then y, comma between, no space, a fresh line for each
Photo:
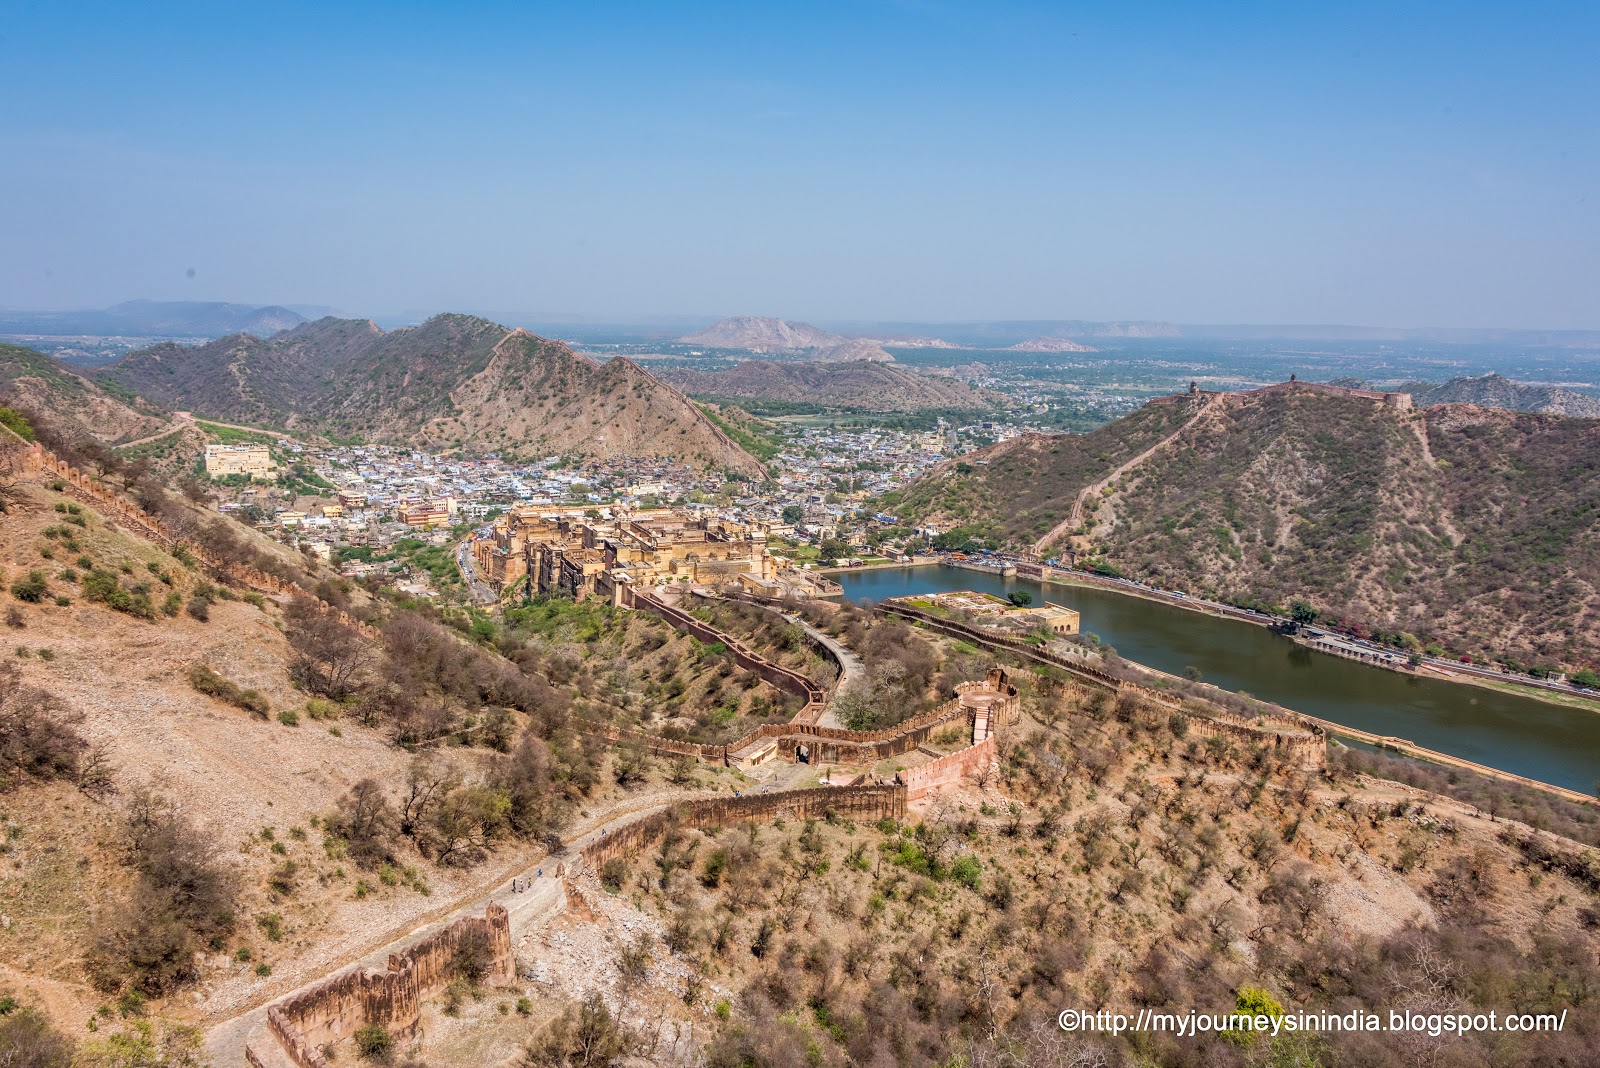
581,556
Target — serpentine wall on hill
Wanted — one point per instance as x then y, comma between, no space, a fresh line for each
814,696
1297,741
861,803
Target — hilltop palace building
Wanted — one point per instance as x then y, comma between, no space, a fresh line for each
579,556
252,460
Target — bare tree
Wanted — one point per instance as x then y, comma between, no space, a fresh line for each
331,658
367,822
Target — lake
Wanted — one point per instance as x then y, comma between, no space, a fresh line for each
1543,741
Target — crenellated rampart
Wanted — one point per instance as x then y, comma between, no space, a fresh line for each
337,1008
798,741
951,768
1297,740
814,696
860,803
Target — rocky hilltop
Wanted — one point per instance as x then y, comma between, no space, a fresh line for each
1137,329
1473,526
858,384
1494,391
454,381
858,350
1050,344
755,333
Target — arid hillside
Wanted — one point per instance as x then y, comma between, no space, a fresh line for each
857,384
1106,863
539,396
247,379
455,381
1473,527
244,793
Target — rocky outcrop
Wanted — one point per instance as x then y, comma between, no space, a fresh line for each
756,333
855,384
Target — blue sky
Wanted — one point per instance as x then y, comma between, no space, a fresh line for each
1397,164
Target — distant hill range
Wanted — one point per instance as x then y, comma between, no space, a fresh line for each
858,384
1476,527
1578,339
155,318
755,333
1050,344
915,342
454,381
998,334
1494,391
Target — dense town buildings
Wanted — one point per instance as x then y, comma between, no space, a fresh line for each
630,518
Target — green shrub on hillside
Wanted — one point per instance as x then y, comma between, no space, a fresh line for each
31,589
208,682
17,423
106,588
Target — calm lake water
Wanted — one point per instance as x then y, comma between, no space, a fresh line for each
1517,734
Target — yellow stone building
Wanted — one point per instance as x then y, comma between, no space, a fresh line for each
252,460
987,610
581,556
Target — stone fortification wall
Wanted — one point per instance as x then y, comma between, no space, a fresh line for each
861,803
1296,739
335,1009
957,629
767,604
814,696
1303,749
833,745
950,768
836,745
1401,401
707,754
1394,400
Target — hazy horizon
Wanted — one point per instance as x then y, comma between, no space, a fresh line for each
913,162
687,322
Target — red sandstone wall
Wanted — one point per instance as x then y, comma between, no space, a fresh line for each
953,767
1307,751
863,803
339,1007
835,745
784,679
